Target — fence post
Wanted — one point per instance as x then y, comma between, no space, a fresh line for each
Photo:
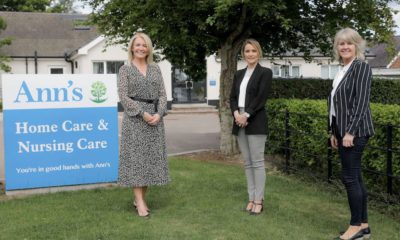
389,158
329,156
287,140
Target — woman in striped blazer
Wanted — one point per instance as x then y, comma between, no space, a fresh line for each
351,124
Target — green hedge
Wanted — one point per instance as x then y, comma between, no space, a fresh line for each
382,90
309,138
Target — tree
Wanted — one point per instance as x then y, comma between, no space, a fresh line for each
24,5
5,41
62,6
187,31
54,6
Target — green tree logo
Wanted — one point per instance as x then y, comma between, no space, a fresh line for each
98,91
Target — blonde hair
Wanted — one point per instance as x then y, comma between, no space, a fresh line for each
253,43
147,40
350,36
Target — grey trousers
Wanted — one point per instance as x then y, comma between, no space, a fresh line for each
252,148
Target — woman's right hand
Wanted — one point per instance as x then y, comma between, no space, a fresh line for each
334,142
147,117
240,119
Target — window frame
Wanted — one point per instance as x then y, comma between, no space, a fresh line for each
105,65
55,68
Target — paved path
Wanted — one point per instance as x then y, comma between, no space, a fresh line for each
184,133
192,132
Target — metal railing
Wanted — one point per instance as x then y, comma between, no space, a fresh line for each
288,132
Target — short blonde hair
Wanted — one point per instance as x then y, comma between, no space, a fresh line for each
147,40
351,36
253,43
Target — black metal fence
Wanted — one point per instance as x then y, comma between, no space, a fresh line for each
284,133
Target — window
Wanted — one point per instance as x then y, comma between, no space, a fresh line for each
56,70
98,67
276,70
325,71
111,67
329,71
295,71
285,71
334,71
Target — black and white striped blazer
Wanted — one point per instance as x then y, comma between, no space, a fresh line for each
351,101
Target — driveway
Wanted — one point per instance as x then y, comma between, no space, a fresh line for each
192,132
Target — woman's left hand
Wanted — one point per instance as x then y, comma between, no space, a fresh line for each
348,140
156,118
241,120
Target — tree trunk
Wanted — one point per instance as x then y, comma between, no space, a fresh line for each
228,54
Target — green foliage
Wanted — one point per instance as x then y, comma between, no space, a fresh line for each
24,5
382,90
309,138
3,42
187,31
308,129
54,6
300,88
61,6
385,91
203,201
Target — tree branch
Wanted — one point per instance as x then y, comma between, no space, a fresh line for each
239,30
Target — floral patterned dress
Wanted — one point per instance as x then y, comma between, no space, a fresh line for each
143,155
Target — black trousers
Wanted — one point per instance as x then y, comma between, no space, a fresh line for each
351,177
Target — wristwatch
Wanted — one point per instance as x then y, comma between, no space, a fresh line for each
246,114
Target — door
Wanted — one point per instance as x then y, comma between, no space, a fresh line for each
185,90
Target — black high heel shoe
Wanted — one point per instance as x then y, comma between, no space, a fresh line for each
357,236
366,232
262,208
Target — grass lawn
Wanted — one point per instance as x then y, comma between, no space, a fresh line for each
203,201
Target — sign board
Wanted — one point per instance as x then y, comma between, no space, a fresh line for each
59,130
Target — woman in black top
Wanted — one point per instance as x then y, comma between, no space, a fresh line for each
247,101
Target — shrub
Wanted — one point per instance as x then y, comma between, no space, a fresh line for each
382,90
308,122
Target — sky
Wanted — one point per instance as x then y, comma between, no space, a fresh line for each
82,7
396,17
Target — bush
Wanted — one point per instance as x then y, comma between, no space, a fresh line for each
382,90
308,123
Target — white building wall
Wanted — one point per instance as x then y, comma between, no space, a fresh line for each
307,70
19,66
213,72
166,70
101,53
386,72
97,51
